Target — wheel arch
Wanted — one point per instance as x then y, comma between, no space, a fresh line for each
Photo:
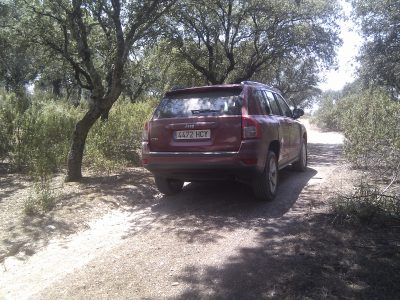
275,147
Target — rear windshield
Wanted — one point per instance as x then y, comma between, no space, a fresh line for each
199,104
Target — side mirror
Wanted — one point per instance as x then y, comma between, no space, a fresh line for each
297,113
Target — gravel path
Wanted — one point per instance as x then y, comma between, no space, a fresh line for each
211,241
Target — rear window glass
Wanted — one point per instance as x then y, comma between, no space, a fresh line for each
200,104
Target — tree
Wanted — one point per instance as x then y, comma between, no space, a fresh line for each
17,59
234,40
163,68
380,53
97,39
296,79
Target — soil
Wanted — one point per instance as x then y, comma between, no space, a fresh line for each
116,237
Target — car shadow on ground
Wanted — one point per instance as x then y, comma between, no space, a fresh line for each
233,199
203,209
210,206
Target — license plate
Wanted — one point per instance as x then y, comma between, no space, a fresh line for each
192,134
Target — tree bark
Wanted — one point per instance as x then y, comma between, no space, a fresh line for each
78,143
56,83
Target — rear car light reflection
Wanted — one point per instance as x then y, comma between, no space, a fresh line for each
249,161
251,129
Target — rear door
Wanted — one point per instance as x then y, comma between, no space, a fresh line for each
206,121
294,127
284,128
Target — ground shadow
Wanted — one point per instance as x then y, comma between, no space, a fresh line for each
228,205
132,189
9,186
34,232
204,207
303,259
324,154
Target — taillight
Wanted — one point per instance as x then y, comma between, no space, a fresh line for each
250,128
145,133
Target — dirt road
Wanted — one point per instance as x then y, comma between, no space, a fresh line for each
211,241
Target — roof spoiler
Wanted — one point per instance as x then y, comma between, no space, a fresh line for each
255,83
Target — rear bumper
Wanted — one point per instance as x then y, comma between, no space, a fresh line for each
194,166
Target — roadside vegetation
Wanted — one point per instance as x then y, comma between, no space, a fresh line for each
370,121
36,130
35,134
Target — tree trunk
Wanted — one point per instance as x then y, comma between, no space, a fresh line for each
78,96
56,83
79,136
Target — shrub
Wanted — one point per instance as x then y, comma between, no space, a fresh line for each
370,121
35,133
117,140
367,204
42,136
41,200
371,126
7,116
332,107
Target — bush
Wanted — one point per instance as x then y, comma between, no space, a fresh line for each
41,201
371,126
333,105
38,136
367,204
370,121
7,116
35,134
116,141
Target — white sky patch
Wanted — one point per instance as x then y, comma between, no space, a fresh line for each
336,79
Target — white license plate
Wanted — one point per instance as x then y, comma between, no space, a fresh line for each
192,134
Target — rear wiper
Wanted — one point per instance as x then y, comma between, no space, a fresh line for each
202,111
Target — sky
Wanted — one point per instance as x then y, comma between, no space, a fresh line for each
345,73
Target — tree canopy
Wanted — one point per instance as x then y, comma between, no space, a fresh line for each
232,41
380,54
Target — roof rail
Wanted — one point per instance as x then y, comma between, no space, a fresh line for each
249,82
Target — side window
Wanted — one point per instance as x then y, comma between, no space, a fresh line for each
253,103
262,102
272,104
285,108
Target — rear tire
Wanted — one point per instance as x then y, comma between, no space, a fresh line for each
265,185
168,186
301,164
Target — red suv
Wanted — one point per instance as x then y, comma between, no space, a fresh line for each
244,132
